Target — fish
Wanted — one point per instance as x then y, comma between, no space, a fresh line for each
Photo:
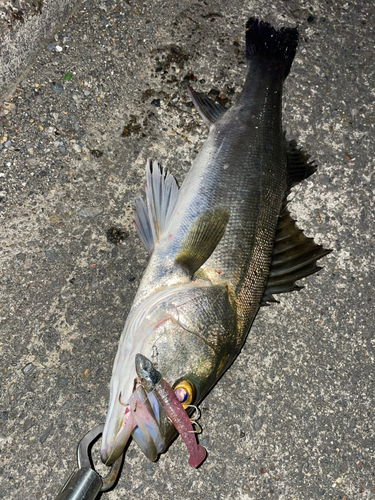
221,246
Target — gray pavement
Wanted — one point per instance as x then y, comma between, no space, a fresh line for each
26,26
293,418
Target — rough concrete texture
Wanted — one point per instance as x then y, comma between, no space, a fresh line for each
294,416
26,26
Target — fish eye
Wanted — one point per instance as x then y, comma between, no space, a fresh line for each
184,391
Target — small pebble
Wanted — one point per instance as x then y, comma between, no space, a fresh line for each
88,212
45,434
8,144
51,255
57,87
4,415
58,48
61,382
27,369
96,153
29,422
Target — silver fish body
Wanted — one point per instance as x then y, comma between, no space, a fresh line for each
211,262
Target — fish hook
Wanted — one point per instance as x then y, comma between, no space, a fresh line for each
196,415
121,403
198,430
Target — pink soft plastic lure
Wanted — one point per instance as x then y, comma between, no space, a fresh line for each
152,381
176,412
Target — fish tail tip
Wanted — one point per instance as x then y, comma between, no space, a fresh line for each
262,39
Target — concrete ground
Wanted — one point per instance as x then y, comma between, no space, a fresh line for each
294,416
26,26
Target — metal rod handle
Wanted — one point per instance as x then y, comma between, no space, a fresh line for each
85,484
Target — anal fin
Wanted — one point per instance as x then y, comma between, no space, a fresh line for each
162,194
294,257
299,166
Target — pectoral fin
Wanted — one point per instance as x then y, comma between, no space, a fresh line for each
202,239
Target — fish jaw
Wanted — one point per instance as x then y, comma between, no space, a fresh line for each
116,434
138,417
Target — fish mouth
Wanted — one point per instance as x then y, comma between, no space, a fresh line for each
140,417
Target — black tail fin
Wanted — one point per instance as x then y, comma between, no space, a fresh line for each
263,40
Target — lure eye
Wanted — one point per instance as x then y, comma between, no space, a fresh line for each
184,391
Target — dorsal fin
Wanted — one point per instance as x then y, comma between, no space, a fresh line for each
294,257
209,111
299,168
202,239
142,223
162,193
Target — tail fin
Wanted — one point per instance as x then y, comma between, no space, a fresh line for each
263,40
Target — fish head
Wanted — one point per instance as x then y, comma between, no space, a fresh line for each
181,336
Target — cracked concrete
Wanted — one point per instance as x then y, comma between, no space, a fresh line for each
293,418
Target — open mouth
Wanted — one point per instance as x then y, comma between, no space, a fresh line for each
150,414
139,417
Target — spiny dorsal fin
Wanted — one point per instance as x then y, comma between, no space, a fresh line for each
299,168
162,193
202,239
294,257
142,223
209,111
